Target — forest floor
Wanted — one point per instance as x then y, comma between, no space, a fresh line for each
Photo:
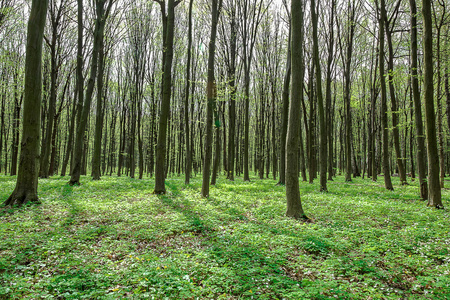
113,239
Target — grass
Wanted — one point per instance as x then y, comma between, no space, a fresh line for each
113,239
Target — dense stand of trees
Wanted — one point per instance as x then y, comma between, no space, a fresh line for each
283,89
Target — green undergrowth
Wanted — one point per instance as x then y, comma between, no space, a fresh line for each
114,239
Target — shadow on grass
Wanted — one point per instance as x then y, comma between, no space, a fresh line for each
234,265
74,209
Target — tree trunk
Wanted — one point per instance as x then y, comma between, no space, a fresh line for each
395,111
82,124
15,127
211,96
323,129
27,178
285,114
294,204
160,171
329,112
348,117
421,151
434,193
384,119
188,164
96,158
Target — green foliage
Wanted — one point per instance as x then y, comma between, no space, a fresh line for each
113,239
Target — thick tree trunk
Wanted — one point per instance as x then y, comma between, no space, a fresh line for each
27,178
294,204
434,193
168,35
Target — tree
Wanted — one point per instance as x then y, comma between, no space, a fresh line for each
102,13
188,161
346,54
329,109
56,14
323,129
27,178
294,204
388,22
230,54
251,15
285,111
211,91
168,35
421,159
384,119
434,192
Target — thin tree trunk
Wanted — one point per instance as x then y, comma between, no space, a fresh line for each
96,158
384,120
323,129
188,165
420,135
285,114
211,97
394,106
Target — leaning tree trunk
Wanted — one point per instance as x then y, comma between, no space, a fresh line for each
27,178
395,112
434,193
294,204
79,140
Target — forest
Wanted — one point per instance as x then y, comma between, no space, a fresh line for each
224,149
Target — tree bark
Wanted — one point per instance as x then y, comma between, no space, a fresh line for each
188,153
434,193
394,106
384,119
211,98
161,146
421,152
323,129
285,114
294,204
83,119
96,158
27,178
